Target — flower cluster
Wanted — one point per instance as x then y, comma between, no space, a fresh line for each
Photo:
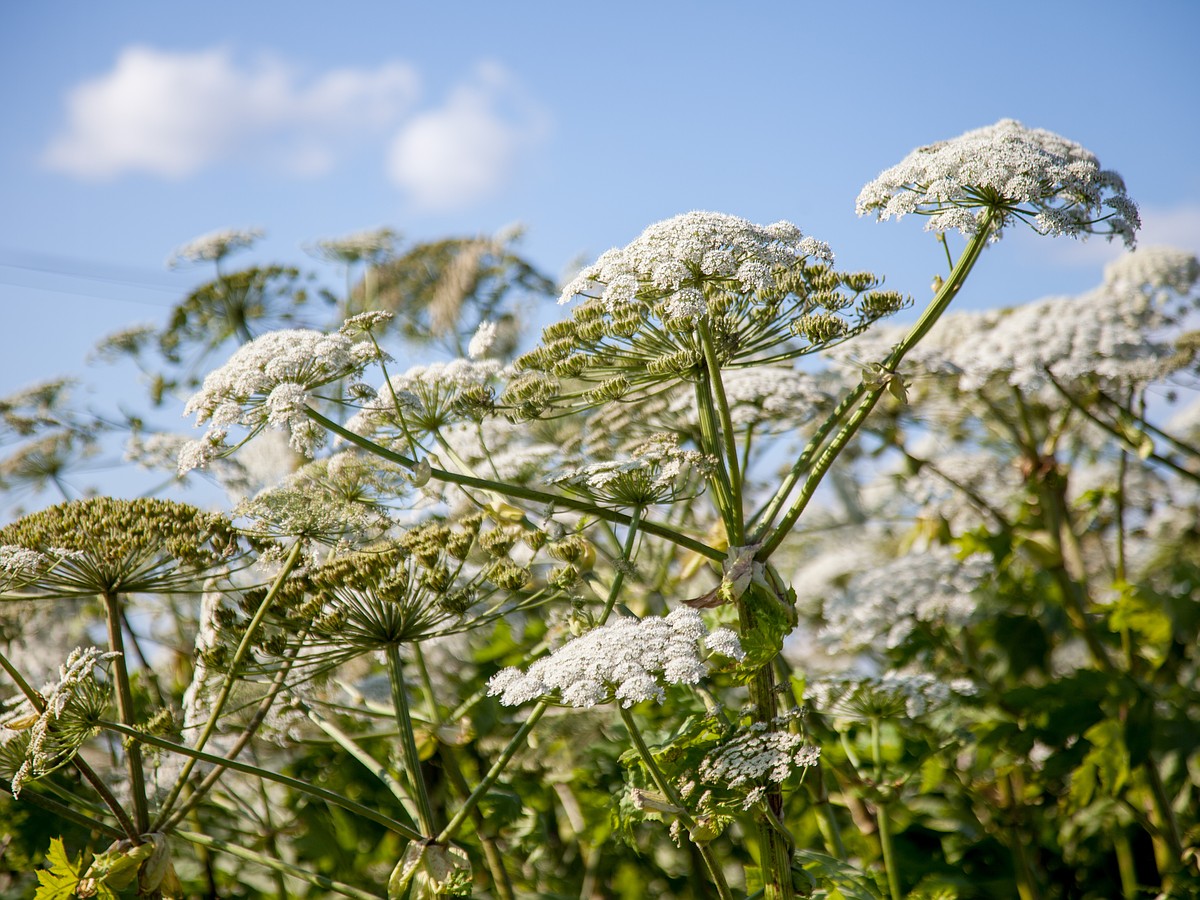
329,499
1022,173
656,471
214,246
672,258
1120,333
694,292
269,382
887,696
883,604
54,737
117,546
627,661
757,756
428,398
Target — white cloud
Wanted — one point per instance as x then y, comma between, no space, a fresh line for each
1177,226
174,113
466,150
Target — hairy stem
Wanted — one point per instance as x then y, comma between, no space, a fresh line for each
870,396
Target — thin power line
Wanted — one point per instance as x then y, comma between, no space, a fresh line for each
87,269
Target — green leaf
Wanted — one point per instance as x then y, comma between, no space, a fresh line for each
1106,765
60,880
836,878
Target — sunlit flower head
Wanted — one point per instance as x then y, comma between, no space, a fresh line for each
700,290
268,382
67,718
1036,176
656,471
627,661
672,257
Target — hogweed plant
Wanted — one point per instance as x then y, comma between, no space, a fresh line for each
586,624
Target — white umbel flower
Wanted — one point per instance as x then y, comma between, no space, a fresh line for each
1031,174
628,661
692,247
757,756
214,246
267,382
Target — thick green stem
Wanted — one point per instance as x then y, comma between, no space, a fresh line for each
408,742
883,818
518,492
870,396
712,370
663,784
719,482
124,691
230,679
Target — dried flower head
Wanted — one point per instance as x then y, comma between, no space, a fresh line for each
627,661
370,246
1017,173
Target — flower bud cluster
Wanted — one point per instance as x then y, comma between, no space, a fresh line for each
118,546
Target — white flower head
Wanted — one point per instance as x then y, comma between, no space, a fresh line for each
656,471
757,756
628,661
1030,174
47,747
691,249
481,342
267,382
214,246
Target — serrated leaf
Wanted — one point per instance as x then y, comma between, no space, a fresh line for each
60,880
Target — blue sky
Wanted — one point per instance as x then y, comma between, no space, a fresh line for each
133,127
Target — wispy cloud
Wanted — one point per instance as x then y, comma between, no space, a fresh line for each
172,114
467,149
